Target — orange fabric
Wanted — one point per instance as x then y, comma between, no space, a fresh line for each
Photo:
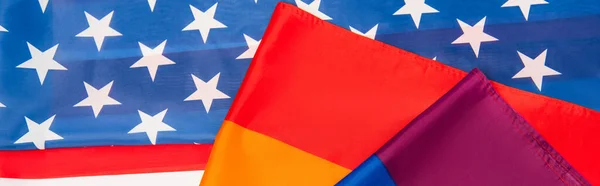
244,157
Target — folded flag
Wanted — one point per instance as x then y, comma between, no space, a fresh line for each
470,136
318,100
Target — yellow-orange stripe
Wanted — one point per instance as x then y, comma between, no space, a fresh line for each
244,157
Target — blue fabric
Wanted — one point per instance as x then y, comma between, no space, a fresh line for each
370,172
568,30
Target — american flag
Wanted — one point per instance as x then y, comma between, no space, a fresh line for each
147,73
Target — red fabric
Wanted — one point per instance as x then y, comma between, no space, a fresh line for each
92,161
341,96
572,130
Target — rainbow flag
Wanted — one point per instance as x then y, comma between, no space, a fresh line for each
318,100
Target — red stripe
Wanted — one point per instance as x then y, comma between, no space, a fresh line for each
333,93
93,161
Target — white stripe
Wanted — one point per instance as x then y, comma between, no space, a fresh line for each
188,178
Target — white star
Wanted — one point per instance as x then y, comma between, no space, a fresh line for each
43,4
435,58
370,34
255,1
206,91
252,47
2,105
99,29
151,125
42,62
313,8
152,58
473,35
97,98
152,3
2,29
204,21
535,69
415,8
39,133
524,5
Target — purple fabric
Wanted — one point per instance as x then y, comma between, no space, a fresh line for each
472,137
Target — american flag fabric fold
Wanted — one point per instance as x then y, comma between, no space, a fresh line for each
470,136
181,165
318,100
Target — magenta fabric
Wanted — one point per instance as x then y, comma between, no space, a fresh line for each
472,137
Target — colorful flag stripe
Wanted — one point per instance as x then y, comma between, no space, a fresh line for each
247,155
371,172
